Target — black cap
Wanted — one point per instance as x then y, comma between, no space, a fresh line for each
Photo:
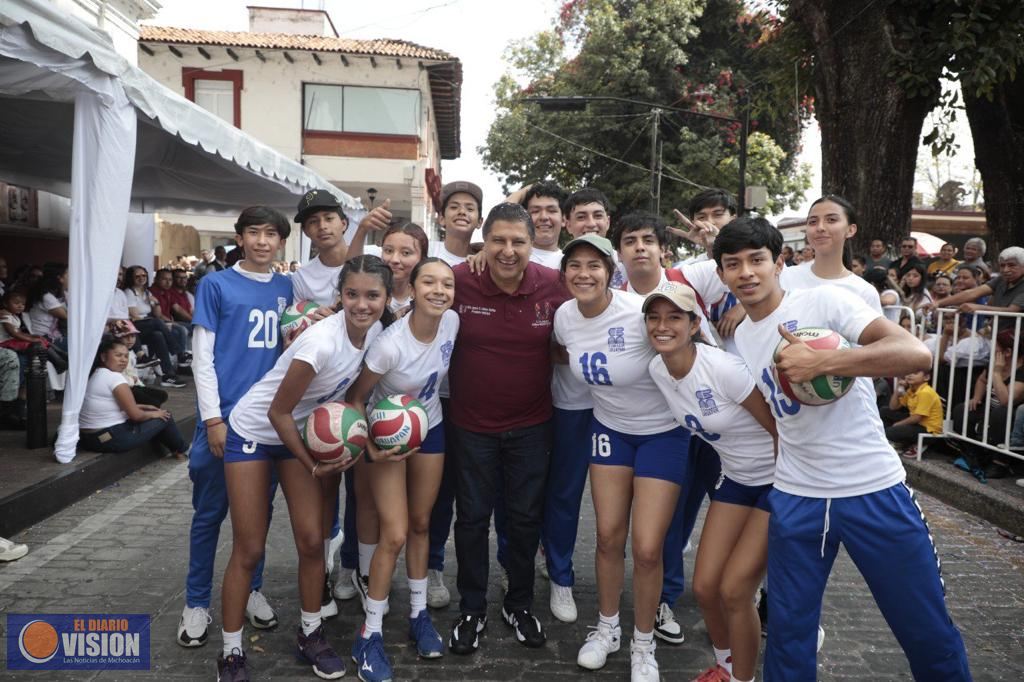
462,186
316,200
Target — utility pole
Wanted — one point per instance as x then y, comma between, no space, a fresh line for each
655,184
744,125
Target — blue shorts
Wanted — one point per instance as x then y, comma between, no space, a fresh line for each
665,455
731,492
237,449
434,442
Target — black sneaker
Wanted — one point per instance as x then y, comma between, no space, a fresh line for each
328,608
466,634
527,627
232,668
173,382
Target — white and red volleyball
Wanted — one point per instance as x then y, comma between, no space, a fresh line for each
823,389
298,316
334,432
398,421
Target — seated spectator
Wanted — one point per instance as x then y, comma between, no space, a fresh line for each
15,335
945,263
154,332
26,276
914,408
1005,293
942,286
971,349
908,257
878,255
111,420
12,410
915,287
144,395
969,418
174,310
974,255
858,266
184,285
906,321
47,305
889,293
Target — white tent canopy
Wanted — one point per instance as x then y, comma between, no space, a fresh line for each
77,119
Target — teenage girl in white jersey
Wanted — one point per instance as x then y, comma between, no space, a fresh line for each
830,223
264,430
402,248
640,456
410,358
712,393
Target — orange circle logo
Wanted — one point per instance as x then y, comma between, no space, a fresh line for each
38,641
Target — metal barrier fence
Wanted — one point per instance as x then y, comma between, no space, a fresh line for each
989,325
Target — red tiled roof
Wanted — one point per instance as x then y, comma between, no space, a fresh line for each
445,77
384,47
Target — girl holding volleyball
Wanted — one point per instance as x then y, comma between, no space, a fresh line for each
315,369
410,358
712,393
639,456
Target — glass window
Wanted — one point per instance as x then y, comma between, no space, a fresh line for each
217,97
384,111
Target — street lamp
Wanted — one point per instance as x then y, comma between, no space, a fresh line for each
371,194
580,102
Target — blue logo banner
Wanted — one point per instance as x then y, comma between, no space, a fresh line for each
77,641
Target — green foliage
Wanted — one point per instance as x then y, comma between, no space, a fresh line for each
689,54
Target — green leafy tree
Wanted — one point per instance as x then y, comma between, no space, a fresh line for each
688,54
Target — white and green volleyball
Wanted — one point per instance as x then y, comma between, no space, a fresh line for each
823,389
334,432
398,420
297,316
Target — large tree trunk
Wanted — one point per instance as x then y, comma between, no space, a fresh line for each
997,128
870,128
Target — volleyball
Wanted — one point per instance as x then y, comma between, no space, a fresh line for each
398,420
297,316
823,389
334,432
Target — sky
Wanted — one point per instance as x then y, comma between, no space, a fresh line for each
469,29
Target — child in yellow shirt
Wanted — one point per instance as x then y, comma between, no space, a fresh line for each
914,408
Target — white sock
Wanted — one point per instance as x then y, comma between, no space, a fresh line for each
643,637
724,658
374,616
733,678
232,641
365,557
310,621
417,596
610,621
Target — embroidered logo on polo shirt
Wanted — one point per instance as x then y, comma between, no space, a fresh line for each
475,310
542,314
706,401
616,339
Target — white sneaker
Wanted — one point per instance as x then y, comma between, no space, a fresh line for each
666,626
11,551
258,611
821,637
438,596
541,564
344,588
563,606
601,641
332,547
362,585
643,666
194,626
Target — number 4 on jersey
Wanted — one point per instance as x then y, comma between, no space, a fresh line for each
429,388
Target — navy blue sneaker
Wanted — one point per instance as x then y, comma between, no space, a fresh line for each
428,642
314,650
371,661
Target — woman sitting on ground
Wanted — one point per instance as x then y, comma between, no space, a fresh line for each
111,420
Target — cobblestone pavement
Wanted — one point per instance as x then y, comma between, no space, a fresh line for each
124,550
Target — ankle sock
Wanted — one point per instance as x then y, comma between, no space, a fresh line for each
374,616
610,621
417,596
365,557
643,637
310,621
724,658
232,642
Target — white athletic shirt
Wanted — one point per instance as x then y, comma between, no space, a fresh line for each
703,278
326,348
802,277
549,259
707,401
835,450
411,367
99,407
143,303
316,282
41,321
611,354
119,306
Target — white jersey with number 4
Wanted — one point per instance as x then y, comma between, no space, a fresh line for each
611,354
707,401
409,367
326,348
834,450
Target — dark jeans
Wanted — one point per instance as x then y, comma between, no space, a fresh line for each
512,464
129,435
904,433
153,333
147,395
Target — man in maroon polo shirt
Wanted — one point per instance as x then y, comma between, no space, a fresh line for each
500,382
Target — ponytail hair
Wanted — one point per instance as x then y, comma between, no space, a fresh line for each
371,265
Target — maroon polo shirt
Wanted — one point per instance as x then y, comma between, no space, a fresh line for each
168,297
500,376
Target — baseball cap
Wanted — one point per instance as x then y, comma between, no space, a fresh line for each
676,293
125,328
462,186
316,200
598,242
